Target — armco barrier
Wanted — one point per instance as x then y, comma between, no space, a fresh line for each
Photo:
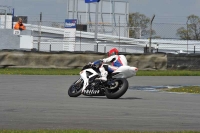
29,59
183,61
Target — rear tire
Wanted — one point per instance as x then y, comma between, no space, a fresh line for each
119,91
75,89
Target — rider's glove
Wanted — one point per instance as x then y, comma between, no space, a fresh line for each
90,64
101,60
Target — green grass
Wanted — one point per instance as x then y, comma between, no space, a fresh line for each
186,89
38,71
52,71
87,131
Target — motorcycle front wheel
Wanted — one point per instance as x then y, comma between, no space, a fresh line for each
75,89
117,91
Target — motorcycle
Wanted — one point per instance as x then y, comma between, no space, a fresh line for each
115,86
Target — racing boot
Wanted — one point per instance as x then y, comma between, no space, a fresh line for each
104,74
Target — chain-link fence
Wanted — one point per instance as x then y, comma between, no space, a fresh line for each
49,36
165,38
175,38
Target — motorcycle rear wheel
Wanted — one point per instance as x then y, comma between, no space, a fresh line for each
119,91
75,89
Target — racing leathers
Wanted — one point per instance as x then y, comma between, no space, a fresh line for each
116,60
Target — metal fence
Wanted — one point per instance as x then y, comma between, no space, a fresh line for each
164,39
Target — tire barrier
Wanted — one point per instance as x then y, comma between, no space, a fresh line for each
183,61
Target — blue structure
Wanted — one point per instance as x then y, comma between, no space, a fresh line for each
70,23
90,1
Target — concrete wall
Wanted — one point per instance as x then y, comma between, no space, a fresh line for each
10,41
75,60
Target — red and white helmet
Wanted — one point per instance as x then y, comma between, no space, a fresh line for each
113,51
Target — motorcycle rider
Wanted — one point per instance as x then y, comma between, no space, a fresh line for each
113,57
116,60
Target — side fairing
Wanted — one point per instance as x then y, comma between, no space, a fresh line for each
124,72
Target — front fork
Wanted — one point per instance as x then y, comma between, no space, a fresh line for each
86,78
83,75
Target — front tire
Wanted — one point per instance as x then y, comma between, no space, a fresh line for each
119,91
75,89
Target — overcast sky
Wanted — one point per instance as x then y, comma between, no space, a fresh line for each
174,11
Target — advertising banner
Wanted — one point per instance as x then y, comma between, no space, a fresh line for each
70,23
69,35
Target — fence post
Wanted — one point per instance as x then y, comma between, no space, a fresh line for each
146,49
96,21
39,38
50,48
194,48
13,14
80,33
5,19
119,33
151,33
104,48
187,35
97,45
157,45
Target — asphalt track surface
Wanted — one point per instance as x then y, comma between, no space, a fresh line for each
41,102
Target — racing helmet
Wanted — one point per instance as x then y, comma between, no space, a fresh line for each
113,51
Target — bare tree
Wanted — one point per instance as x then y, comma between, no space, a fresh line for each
141,22
192,30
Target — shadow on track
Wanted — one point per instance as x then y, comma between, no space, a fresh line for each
122,98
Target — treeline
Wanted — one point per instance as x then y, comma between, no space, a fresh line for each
139,26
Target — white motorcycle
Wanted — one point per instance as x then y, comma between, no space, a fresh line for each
89,85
